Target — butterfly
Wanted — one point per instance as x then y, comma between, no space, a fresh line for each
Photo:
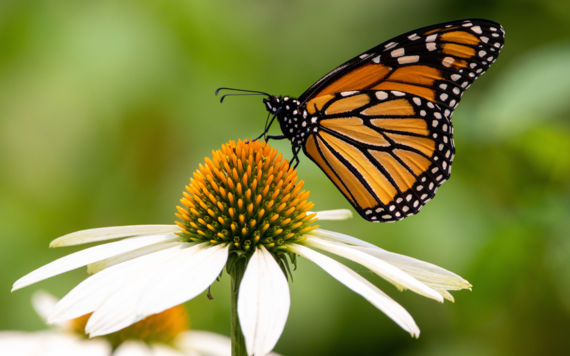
379,124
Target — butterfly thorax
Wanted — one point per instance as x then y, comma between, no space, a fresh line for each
294,121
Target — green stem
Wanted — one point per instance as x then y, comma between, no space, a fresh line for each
238,341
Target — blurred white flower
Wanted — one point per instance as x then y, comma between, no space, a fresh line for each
161,335
246,203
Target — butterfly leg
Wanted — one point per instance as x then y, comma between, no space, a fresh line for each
295,160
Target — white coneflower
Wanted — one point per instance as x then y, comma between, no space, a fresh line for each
243,210
163,334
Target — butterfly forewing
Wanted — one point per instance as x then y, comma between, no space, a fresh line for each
386,151
436,63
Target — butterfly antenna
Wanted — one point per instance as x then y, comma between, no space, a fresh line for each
242,90
223,96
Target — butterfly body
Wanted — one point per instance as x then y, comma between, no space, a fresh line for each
379,125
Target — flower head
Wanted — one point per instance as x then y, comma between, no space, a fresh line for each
244,209
165,333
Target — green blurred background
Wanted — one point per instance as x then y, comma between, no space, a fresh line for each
107,107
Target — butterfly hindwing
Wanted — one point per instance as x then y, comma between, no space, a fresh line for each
386,151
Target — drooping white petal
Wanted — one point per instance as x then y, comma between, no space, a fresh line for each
133,348
43,303
92,292
428,273
385,270
263,303
119,310
338,237
90,255
182,280
109,233
361,286
108,262
338,214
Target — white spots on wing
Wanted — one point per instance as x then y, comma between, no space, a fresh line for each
490,59
314,120
417,101
492,29
379,210
439,177
446,113
386,217
467,24
381,95
431,46
484,39
443,86
368,212
363,55
398,93
431,38
419,188
435,169
444,127
479,70
416,203
409,197
471,74
399,200
405,209
482,53
456,90
414,37
347,93
407,59
495,35
423,113
443,97
434,123
430,105
431,186
397,53
455,77
437,115
444,165
397,214
376,59
392,208
464,84
440,147
452,103
445,139
447,154
390,45
447,61
477,29
473,65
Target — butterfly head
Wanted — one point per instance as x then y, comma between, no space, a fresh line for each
290,117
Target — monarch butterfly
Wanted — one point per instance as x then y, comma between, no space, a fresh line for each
379,125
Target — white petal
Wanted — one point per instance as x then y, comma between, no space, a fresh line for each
109,233
49,343
361,286
338,214
182,280
92,292
166,350
425,272
338,237
198,342
90,255
204,342
119,310
43,303
263,303
132,348
385,270
108,262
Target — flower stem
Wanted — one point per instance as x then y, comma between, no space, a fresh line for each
238,341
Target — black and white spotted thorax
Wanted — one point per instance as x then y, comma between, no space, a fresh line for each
296,123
